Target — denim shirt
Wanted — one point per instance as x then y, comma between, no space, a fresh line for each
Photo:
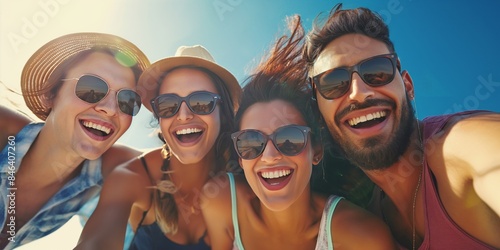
58,209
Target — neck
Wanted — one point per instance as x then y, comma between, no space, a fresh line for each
190,178
399,181
297,218
48,162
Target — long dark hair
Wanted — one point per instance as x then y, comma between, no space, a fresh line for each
282,76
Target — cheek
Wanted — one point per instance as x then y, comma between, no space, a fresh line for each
164,125
214,122
125,121
328,110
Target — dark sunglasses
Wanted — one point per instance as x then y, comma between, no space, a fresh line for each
374,71
290,140
92,89
200,103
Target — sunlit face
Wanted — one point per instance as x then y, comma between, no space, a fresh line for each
372,124
294,172
189,136
90,129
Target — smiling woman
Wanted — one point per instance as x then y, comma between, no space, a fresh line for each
61,162
194,100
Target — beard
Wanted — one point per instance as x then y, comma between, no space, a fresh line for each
375,154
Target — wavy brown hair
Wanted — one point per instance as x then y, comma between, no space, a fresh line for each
282,76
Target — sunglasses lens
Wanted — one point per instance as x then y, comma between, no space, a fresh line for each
377,71
335,83
129,102
290,140
202,103
166,105
250,144
91,89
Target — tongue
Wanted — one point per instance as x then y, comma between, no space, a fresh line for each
189,137
369,123
275,181
96,132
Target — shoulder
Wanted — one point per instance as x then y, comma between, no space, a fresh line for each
217,193
351,223
469,140
133,181
11,122
217,200
116,155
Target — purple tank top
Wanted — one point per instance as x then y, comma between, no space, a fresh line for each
441,232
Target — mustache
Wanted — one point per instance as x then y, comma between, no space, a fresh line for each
363,105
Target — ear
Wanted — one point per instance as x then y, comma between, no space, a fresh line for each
408,83
318,153
239,161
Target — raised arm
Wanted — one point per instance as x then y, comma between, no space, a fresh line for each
473,145
216,209
126,186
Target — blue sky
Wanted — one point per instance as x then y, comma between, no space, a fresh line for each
450,49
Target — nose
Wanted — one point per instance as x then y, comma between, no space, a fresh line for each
184,112
108,105
270,153
359,90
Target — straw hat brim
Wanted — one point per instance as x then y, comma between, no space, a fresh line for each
45,60
150,78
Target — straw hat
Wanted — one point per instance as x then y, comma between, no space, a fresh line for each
195,55
45,60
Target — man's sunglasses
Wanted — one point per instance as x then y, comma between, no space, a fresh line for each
374,71
290,140
92,89
200,103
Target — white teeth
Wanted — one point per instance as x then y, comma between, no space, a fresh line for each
186,131
355,121
276,174
104,129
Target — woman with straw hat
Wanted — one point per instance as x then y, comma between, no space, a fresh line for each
194,100
83,87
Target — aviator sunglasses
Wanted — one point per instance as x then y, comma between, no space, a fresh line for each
374,71
92,89
200,103
290,140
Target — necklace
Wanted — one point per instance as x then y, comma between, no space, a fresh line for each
414,205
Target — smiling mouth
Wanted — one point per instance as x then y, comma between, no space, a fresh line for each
96,129
369,120
187,135
275,177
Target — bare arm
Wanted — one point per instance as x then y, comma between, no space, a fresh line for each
473,144
355,228
122,189
116,155
216,209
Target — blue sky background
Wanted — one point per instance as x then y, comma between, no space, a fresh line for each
450,48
